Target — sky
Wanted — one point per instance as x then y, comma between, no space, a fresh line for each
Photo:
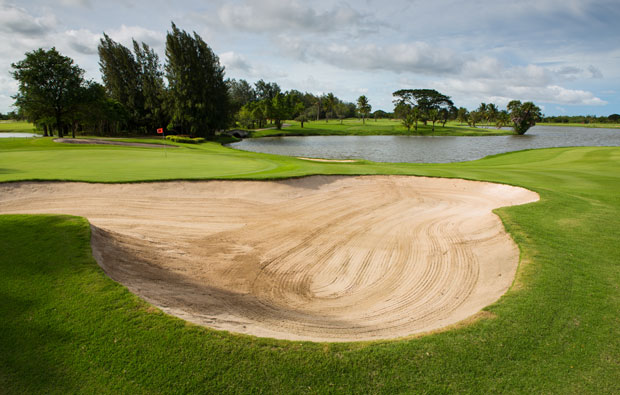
564,55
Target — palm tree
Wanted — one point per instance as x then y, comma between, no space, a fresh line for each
462,115
482,111
433,115
491,113
330,102
363,107
502,119
474,117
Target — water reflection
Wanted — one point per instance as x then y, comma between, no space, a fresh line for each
428,149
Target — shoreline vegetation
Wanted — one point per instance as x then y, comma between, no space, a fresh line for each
351,127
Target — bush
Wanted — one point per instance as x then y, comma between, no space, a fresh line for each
185,139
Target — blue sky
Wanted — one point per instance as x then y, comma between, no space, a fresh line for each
562,54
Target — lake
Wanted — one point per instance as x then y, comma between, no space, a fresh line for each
428,149
13,135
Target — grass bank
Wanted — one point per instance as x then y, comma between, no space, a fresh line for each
67,328
17,127
355,127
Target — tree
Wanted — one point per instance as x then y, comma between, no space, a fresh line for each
342,110
424,99
502,119
241,93
363,107
280,109
445,114
462,115
198,96
614,118
410,116
49,86
474,118
266,90
401,110
523,115
491,113
121,76
153,114
330,102
380,114
433,116
482,111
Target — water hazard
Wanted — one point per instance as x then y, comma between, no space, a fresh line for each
17,135
428,149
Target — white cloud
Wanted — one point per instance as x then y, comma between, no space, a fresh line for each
292,15
16,20
235,61
125,34
82,41
415,57
76,3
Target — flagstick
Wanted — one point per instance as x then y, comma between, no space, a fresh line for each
163,135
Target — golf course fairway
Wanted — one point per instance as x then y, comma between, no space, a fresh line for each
67,327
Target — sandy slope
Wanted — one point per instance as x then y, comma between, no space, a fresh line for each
318,258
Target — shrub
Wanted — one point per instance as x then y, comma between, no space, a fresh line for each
185,139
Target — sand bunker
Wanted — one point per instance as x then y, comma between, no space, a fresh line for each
318,258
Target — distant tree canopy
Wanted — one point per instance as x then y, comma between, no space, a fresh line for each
50,87
423,99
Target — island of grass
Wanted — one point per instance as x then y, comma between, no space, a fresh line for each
371,127
67,327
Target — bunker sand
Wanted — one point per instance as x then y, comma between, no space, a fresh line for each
318,258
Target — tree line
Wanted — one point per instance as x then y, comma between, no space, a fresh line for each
189,94
584,119
264,102
53,93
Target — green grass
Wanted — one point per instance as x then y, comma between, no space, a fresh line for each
371,127
16,127
66,328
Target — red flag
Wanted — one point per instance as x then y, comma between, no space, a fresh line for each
160,130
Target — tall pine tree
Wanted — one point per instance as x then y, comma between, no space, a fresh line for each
121,76
199,102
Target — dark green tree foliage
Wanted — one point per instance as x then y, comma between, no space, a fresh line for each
502,119
199,103
615,118
380,114
462,115
49,86
281,108
121,75
241,93
266,90
363,107
523,115
151,82
98,113
424,99
329,101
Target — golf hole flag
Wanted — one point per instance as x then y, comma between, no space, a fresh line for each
160,130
